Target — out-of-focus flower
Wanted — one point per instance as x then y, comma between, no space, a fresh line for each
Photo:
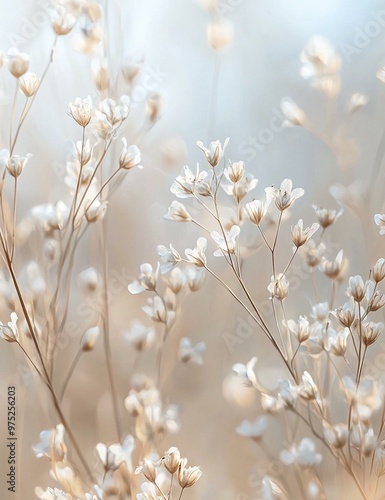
196,277
365,398
197,255
177,212
294,115
18,62
379,219
52,445
227,244
111,456
51,494
153,106
327,217
90,338
357,101
303,455
114,111
148,492
253,430
9,332
307,389
156,309
96,211
101,74
89,280
220,33
62,20
130,157
146,280
336,435
336,268
141,337
247,373
189,353
285,196
214,152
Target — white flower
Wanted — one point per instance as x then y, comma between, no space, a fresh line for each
156,310
62,21
307,390
145,281
271,490
285,196
239,190
303,455
190,184
287,392
170,258
130,157
188,476
14,164
257,209
228,243
247,373
357,288
300,329
379,219
96,211
254,430
334,269
29,84
81,110
189,353
214,152
51,494
293,113
176,280
279,287
177,212
90,338
220,33
149,492
299,235
141,337
18,62
197,255
327,217
9,332
52,445
148,469
115,112
235,171
111,456
365,398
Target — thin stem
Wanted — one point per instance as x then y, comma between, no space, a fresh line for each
70,373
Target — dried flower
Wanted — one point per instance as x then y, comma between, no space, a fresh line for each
146,280
130,156
9,332
253,430
52,445
285,196
301,329
304,454
29,84
327,217
197,255
189,353
235,171
141,337
357,288
246,372
18,62
177,212
220,34
279,287
148,469
96,211
257,209
14,164
171,460
81,110
153,106
227,244
295,116
188,476
300,236
215,151
90,338
170,258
